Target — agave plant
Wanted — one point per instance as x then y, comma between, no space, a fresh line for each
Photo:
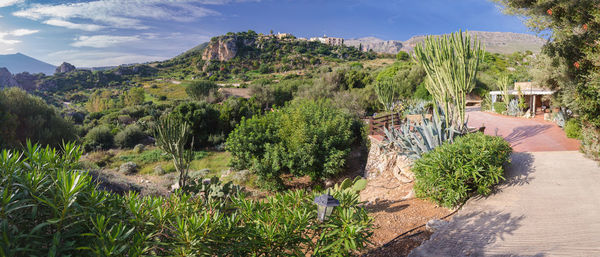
513,108
415,139
561,117
416,107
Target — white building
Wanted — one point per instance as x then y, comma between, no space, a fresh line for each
332,41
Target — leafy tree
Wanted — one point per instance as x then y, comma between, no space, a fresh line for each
305,138
233,110
133,96
202,118
402,56
100,100
23,117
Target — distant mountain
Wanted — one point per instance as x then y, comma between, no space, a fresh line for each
17,63
495,42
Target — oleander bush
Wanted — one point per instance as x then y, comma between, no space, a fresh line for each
449,174
48,207
304,138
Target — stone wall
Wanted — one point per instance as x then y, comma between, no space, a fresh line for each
381,161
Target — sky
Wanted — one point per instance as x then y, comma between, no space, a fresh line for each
112,32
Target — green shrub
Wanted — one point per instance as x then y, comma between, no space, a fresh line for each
26,117
248,141
130,136
590,141
450,173
304,138
49,208
203,119
573,128
499,107
99,138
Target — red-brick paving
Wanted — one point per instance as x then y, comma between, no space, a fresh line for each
524,135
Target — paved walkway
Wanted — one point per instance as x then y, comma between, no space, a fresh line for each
549,205
524,135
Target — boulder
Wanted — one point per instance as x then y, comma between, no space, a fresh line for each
128,168
158,170
139,148
435,224
65,67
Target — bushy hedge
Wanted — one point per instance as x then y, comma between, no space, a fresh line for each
450,173
49,208
304,138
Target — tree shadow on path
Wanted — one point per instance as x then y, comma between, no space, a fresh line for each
519,134
470,234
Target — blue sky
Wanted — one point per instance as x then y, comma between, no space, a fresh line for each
112,32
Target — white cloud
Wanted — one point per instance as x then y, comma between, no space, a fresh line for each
14,33
127,14
5,3
102,41
22,32
71,25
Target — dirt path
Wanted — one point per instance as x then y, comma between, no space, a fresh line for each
524,135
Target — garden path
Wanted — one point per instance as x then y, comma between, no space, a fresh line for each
524,135
549,205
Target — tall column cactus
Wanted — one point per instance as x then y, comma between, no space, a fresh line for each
386,93
503,84
172,136
451,63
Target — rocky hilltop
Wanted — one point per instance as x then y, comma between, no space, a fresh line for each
65,67
495,42
225,48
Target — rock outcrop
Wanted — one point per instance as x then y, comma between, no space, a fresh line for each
27,80
65,67
224,48
7,79
380,161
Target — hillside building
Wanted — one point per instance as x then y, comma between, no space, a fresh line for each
332,41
